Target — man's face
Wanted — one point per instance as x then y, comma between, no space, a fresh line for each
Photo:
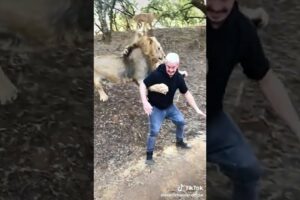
171,68
218,11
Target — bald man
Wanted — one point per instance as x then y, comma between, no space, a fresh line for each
159,106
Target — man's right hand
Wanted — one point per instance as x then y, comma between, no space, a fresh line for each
147,108
203,115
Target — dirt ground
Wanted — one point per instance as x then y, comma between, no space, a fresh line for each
120,127
46,133
275,145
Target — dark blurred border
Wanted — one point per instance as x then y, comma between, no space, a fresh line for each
275,145
46,134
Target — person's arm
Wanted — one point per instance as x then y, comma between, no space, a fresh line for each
183,73
276,93
257,15
143,93
191,101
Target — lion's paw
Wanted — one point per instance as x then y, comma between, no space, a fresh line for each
103,97
160,88
125,52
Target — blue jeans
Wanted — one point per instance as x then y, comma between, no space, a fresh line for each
227,147
156,119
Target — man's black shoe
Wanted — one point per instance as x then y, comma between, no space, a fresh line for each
150,162
149,158
183,145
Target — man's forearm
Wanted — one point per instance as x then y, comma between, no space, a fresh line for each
143,91
275,92
191,101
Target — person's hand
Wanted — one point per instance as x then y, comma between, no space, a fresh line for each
264,17
160,88
147,108
183,73
202,114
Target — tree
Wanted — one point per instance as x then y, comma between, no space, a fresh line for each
102,9
199,4
175,12
127,12
113,15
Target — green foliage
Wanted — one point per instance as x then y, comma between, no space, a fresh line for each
115,13
175,13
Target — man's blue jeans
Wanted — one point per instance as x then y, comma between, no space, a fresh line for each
156,119
227,147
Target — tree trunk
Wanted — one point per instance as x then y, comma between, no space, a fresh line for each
111,14
128,28
101,9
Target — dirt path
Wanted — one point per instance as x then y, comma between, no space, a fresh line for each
174,171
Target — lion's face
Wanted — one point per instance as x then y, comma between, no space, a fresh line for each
157,50
152,49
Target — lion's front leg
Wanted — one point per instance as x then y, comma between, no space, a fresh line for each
8,92
128,49
160,88
98,85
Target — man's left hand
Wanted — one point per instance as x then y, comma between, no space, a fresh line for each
183,73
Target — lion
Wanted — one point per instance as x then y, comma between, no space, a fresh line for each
144,19
140,59
160,88
144,43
